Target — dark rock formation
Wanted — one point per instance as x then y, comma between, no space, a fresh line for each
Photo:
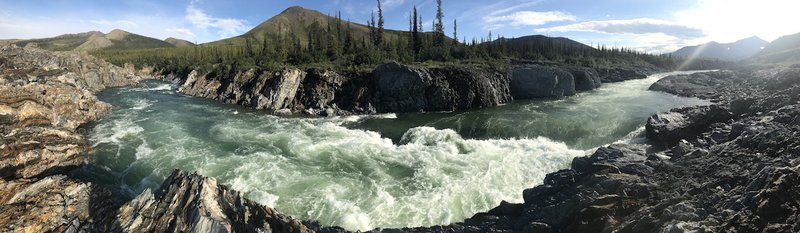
586,79
666,129
404,88
536,81
702,85
392,87
190,202
622,74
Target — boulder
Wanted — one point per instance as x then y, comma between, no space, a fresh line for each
586,79
666,129
621,74
701,85
536,81
401,88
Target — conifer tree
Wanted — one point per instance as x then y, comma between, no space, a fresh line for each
379,31
438,29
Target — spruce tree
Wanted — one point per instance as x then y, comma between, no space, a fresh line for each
438,29
379,31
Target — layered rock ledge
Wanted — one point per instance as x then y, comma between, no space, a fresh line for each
395,87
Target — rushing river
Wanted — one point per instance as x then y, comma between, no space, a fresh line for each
363,172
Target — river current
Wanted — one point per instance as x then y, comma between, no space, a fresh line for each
364,172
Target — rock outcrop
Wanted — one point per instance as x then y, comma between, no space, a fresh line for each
622,74
405,88
666,129
190,202
44,98
703,85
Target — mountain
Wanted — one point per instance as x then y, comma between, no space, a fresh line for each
736,51
179,43
540,42
299,22
116,39
784,50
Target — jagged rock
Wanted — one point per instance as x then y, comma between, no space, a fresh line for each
319,89
535,81
703,85
666,129
44,98
586,79
621,74
404,88
401,88
190,202
260,90
53,204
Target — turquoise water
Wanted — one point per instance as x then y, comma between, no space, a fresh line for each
363,172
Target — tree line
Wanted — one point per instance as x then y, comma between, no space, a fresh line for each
337,44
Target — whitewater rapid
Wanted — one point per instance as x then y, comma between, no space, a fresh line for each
351,171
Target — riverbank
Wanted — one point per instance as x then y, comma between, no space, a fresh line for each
732,166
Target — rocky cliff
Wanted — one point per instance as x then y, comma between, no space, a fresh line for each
730,167
44,98
392,87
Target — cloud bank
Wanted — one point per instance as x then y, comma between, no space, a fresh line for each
631,26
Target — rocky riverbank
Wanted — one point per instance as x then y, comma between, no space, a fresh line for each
395,88
730,167
44,98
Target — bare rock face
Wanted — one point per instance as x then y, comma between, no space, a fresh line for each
260,90
190,202
44,98
53,204
537,81
666,129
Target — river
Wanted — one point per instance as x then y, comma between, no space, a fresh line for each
363,172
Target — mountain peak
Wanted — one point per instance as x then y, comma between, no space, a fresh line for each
117,34
294,9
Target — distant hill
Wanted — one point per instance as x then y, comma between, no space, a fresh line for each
297,21
540,42
179,43
116,39
736,51
784,50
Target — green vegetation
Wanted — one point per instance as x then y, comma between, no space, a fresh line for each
307,38
116,39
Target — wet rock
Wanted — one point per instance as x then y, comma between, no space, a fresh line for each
702,85
536,81
53,204
666,129
622,74
401,88
190,202
586,79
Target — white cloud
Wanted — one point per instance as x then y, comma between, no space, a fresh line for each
182,33
631,26
225,27
730,20
386,4
526,18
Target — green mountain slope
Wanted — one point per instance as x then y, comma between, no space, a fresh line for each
116,39
179,43
299,22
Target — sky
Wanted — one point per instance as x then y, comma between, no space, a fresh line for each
655,26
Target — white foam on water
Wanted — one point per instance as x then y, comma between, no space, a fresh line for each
115,131
316,168
140,103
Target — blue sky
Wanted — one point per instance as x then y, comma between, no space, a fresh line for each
648,25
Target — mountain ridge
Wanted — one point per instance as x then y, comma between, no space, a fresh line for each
735,51
93,40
